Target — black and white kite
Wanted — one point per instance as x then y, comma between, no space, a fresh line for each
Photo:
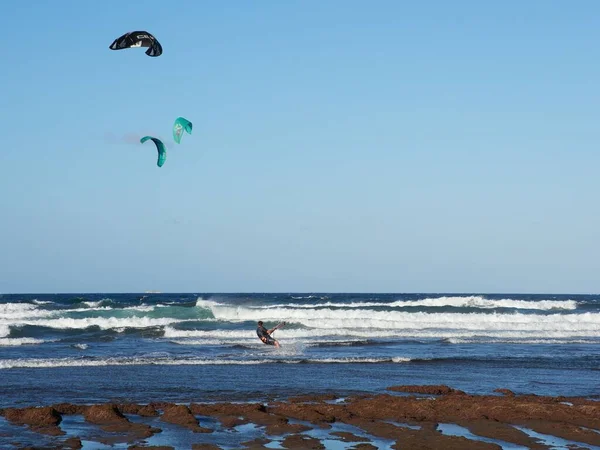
135,39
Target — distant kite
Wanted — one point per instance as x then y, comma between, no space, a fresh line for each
135,39
179,127
160,147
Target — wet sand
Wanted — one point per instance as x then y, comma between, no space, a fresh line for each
407,417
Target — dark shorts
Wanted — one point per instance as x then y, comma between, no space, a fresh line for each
269,341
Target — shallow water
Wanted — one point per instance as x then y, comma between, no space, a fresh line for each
452,429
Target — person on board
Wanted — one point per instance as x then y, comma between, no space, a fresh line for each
265,335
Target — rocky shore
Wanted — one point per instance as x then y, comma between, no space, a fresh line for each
405,417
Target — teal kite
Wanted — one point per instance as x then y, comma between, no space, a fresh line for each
179,126
162,151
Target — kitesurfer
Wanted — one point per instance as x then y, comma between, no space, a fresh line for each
265,335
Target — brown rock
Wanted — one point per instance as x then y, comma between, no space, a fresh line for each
181,415
111,419
155,447
140,410
73,443
322,413
301,442
312,398
278,429
104,414
69,409
501,431
49,430
349,437
40,419
205,447
147,411
430,390
425,438
42,416
506,392
430,440
566,431
256,413
266,419
491,416
377,428
160,405
363,447
227,409
256,444
468,408
232,421
129,408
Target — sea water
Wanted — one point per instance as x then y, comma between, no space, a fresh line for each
198,347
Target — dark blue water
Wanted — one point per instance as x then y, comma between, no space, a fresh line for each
87,348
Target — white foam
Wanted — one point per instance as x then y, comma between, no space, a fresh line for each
481,302
376,320
75,362
97,303
207,304
357,360
103,323
11,342
528,333
142,308
516,340
458,302
41,302
131,361
400,359
216,342
308,323
93,304
15,311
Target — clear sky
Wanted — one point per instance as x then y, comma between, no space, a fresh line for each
339,146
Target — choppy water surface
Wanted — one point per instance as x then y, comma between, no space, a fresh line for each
142,347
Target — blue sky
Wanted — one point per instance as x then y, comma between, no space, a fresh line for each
341,146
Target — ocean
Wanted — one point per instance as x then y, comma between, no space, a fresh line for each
89,348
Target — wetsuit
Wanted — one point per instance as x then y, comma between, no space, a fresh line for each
264,336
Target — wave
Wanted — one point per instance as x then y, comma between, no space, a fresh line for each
104,317
104,323
516,340
307,321
353,337
16,311
103,302
482,302
10,342
163,359
456,302
41,302
371,319
136,361
252,342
